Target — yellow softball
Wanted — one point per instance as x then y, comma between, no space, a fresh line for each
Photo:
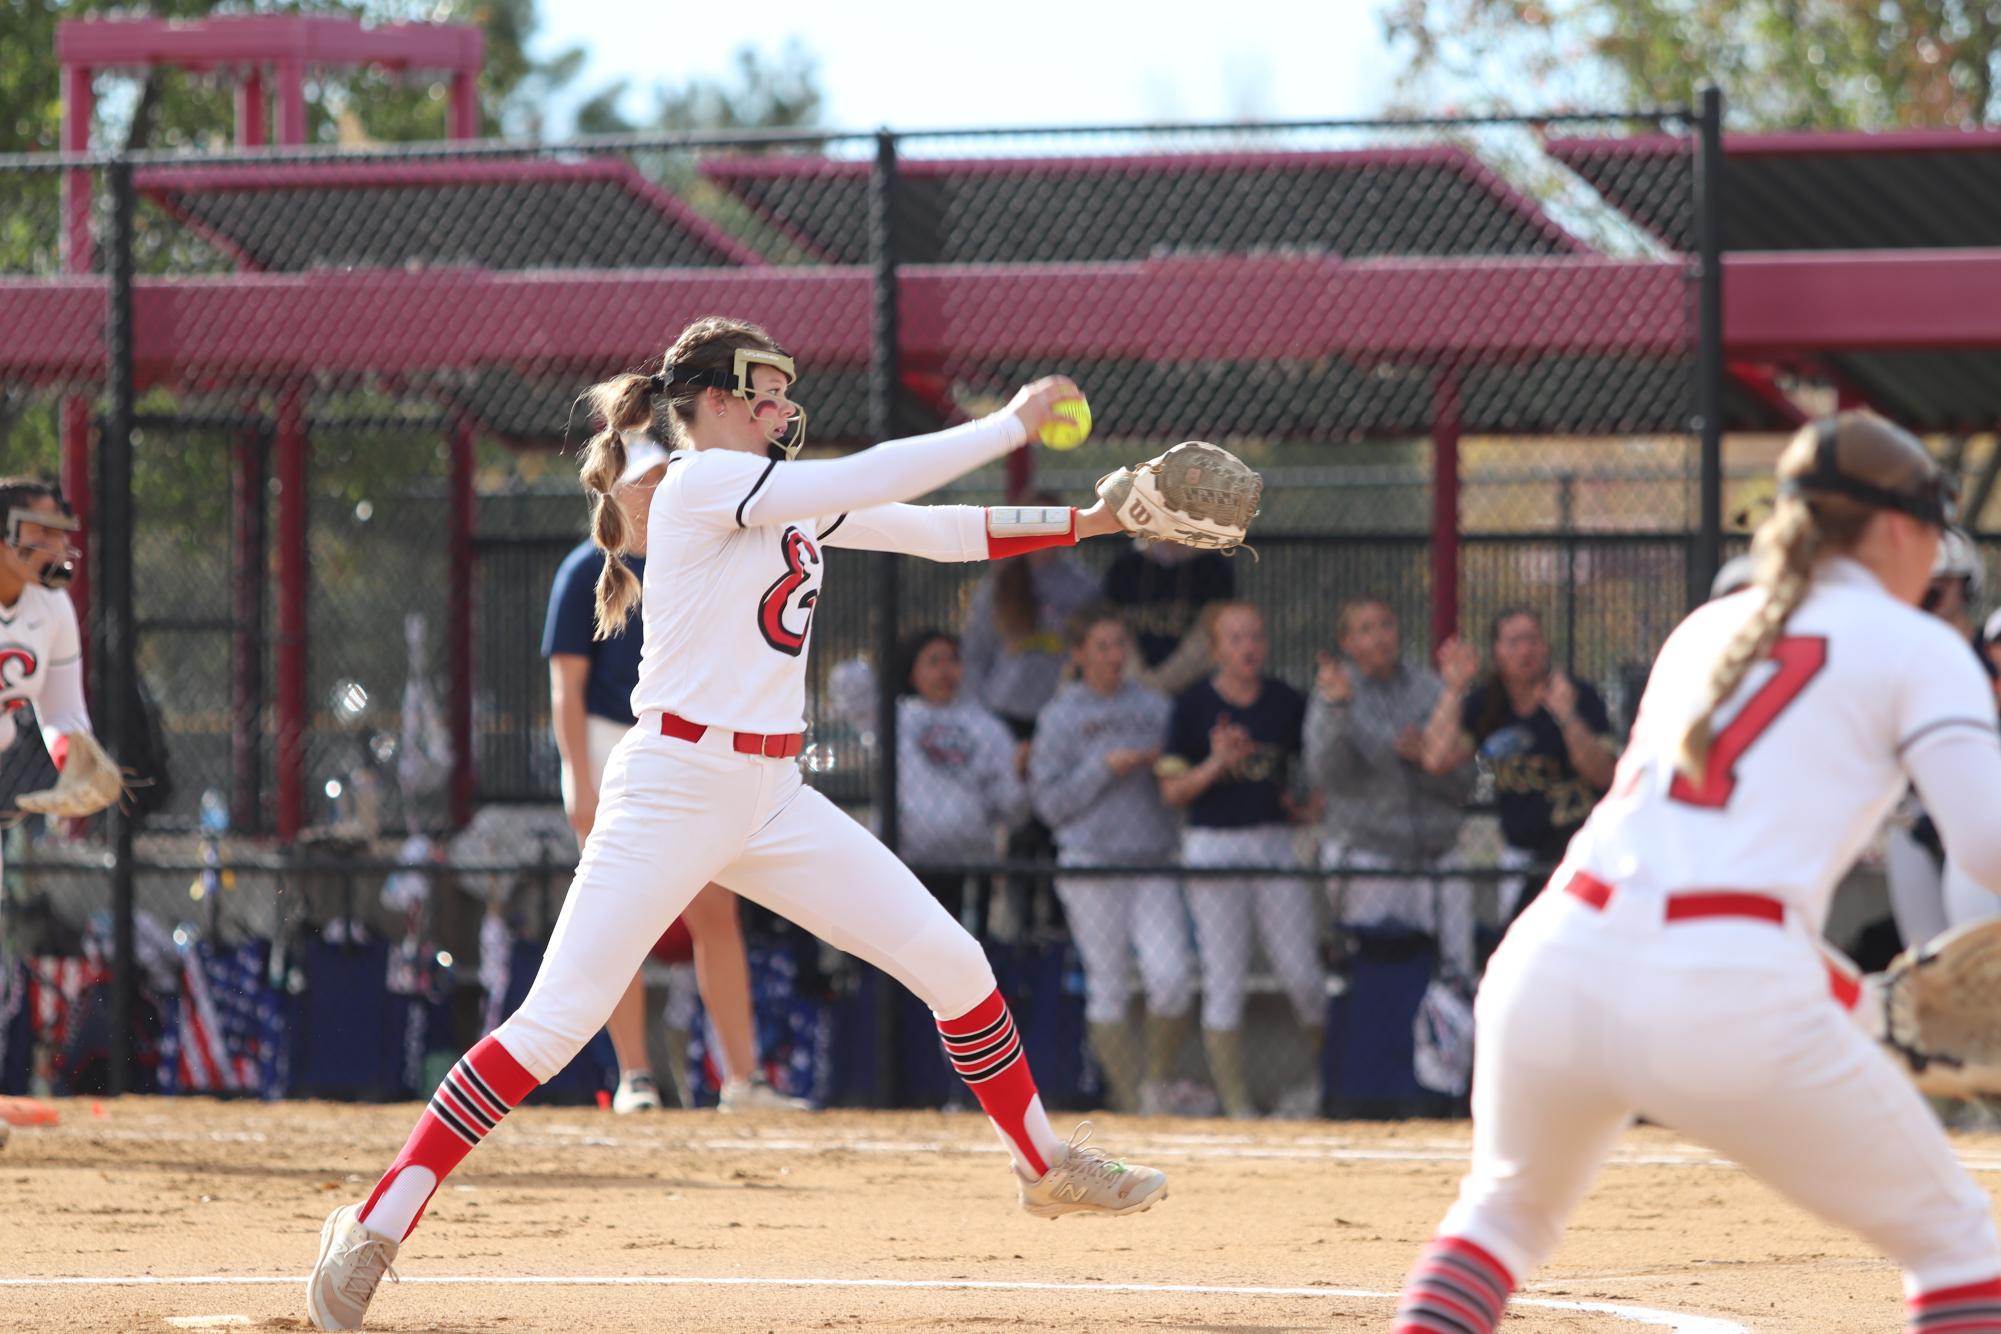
1070,427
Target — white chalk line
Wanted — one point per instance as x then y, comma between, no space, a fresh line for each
1639,1315
1304,1148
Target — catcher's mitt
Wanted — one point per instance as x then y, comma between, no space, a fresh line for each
1197,494
90,781
1938,1009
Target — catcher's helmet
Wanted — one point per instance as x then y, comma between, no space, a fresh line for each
58,572
1734,576
1959,559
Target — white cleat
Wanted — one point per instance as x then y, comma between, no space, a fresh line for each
351,1265
636,1093
755,1095
1086,1181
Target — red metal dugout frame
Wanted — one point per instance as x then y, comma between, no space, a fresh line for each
250,47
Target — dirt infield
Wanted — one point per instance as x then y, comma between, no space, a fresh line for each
848,1220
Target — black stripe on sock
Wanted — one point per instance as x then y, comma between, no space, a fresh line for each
1414,1304
1981,1309
466,1105
983,1076
472,1077
982,1034
445,1114
1489,1296
1474,1298
976,1059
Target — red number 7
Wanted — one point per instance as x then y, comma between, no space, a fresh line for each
1800,658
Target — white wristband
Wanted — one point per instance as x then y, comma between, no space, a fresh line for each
1028,520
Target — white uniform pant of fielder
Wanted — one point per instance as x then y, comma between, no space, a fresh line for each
1118,919
674,815
1722,1030
1439,904
1226,910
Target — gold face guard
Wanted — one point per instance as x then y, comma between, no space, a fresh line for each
738,385
794,439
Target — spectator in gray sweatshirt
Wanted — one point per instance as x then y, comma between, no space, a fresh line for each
1014,629
958,777
1014,656
1384,812
1091,780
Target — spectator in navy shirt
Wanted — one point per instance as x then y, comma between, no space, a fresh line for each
1546,739
1163,589
590,697
1232,743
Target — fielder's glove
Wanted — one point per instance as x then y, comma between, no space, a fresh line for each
90,782
1197,494
1937,1009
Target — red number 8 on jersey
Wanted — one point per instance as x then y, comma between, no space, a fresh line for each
800,554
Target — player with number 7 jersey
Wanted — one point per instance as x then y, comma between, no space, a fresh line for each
706,786
1674,970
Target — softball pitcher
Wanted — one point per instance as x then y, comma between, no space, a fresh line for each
705,786
1674,971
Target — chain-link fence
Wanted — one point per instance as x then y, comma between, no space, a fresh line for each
1471,381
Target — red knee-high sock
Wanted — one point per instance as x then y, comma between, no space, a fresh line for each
986,1051
1974,1308
1455,1288
484,1086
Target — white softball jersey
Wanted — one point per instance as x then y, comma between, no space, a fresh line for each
1811,752
41,664
741,540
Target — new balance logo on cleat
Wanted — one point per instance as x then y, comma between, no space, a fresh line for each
1086,1181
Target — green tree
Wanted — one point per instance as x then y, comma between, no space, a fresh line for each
761,92
172,109
1783,64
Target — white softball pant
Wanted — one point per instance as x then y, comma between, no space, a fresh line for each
1118,919
1225,910
674,815
1439,904
1723,1030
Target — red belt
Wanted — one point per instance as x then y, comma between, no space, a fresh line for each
776,746
1845,989
1685,907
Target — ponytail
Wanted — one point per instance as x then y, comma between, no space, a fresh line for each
622,403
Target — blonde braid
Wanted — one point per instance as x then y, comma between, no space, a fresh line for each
1786,549
622,403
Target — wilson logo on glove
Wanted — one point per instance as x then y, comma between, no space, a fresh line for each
1196,494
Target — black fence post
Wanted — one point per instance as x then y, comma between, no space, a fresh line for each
113,551
1707,554
884,375
883,390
